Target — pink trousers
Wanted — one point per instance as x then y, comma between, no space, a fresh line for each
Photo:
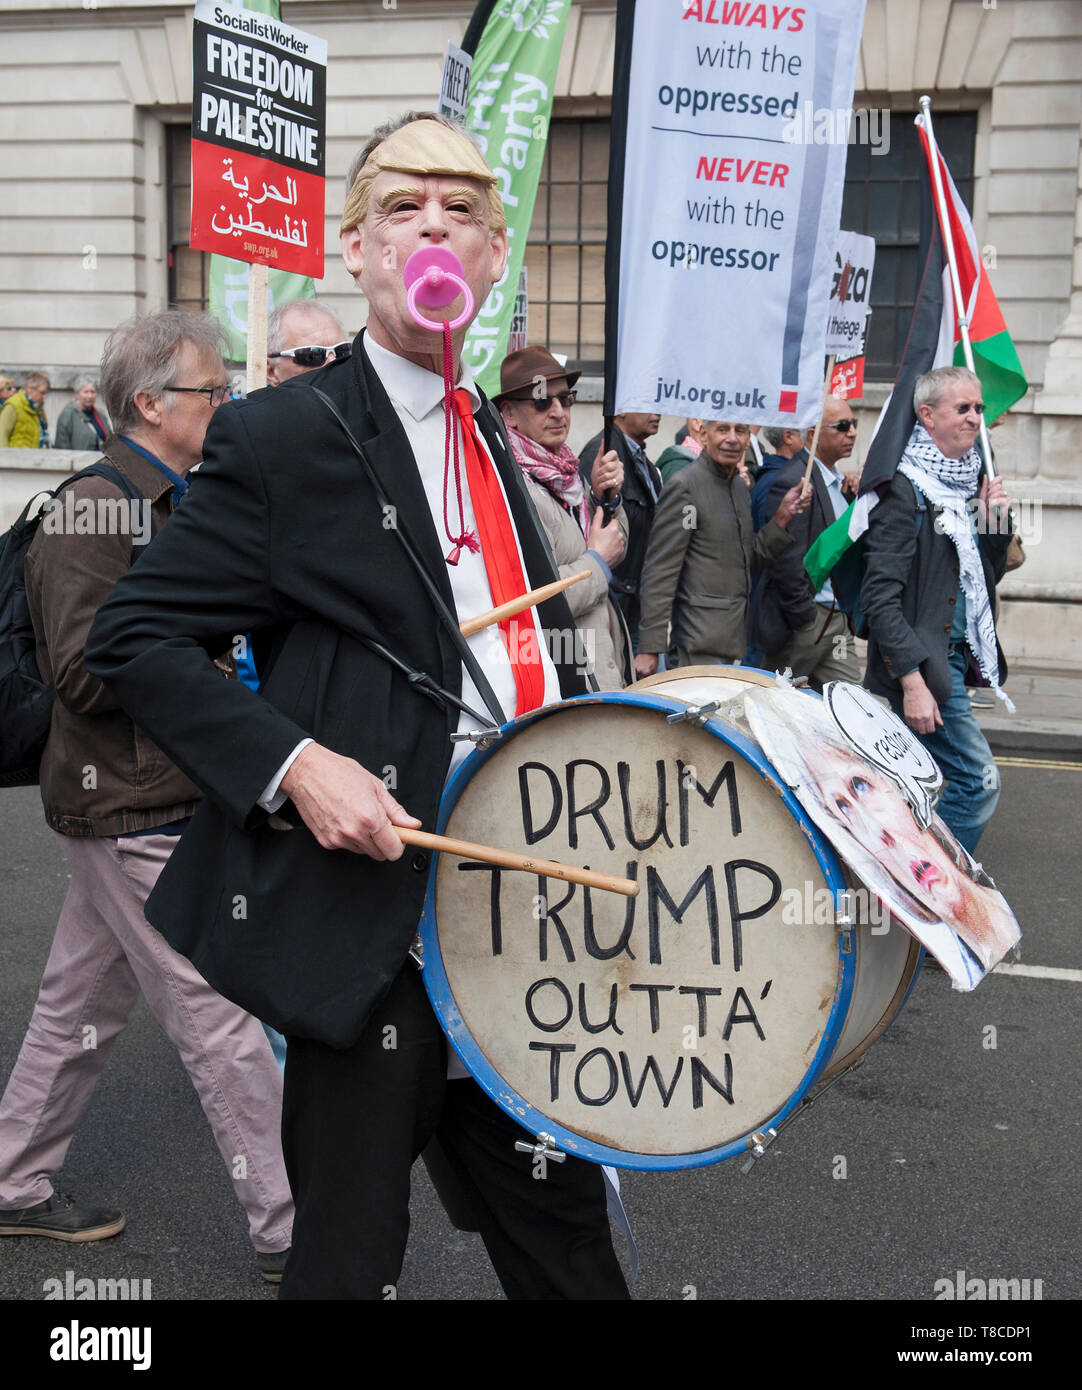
104,952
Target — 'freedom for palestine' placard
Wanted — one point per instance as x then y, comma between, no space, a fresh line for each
258,137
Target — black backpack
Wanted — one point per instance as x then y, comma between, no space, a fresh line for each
26,702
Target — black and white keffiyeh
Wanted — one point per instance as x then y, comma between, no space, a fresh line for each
949,484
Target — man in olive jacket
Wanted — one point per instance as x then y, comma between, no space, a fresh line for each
120,805
702,554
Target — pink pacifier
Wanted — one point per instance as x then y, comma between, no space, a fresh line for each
433,277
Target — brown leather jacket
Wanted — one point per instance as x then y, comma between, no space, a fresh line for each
100,775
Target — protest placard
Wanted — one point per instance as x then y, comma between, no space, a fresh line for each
258,136
725,199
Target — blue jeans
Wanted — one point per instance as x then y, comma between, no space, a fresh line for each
962,751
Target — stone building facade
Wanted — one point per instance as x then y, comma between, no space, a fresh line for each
92,132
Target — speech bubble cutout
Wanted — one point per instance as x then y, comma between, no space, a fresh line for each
880,736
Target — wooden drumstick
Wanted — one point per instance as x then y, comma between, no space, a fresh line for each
508,859
518,605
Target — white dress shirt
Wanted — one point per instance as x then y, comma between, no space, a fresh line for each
833,481
417,396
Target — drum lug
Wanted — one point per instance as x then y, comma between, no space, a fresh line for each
480,738
417,953
695,714
845,919
544,1148
757,1143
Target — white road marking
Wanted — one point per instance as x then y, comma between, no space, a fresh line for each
1041,972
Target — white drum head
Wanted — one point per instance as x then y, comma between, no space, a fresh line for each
657,1031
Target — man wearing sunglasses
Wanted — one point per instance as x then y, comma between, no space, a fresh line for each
791,623
302,336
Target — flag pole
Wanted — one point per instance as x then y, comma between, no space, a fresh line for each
819,422
956,285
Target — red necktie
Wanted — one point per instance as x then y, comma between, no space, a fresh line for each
499,550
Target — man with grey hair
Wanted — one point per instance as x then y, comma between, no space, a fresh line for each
935,548
120,807
301,336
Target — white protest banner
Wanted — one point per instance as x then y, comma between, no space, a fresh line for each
724,204
850,304
258,136
850,291
455,86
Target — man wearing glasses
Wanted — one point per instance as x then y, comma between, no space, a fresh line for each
120,807
302,336
809,632
935,548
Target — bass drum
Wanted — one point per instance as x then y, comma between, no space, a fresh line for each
661,1031
888,958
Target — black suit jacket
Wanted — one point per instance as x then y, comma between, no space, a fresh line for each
639,506
282,535
784,599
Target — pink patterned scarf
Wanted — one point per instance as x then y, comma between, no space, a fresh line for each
559,472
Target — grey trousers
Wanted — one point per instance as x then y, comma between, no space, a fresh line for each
823,651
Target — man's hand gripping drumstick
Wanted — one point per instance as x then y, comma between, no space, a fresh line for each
346,807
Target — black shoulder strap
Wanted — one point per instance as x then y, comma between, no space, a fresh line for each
447,618
102,468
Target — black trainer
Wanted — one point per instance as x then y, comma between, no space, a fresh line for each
60,1219
272,1264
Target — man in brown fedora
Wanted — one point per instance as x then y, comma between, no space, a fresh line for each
535,399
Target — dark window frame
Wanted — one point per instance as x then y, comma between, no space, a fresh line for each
178,175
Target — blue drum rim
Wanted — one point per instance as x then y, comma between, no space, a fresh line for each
481,1069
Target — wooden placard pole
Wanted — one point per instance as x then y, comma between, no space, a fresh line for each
520,604
819,422
257,328
508,859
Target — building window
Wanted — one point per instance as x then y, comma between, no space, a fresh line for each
189,271
882,200
565,252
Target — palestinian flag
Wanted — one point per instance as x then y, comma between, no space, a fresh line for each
934,340
994,357
897,419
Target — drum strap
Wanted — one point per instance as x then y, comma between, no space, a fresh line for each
420,680
447,618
